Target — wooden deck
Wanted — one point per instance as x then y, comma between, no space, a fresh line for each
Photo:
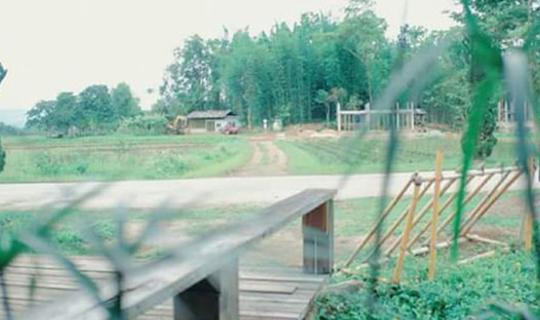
265,293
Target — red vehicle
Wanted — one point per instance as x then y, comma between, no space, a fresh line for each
230,129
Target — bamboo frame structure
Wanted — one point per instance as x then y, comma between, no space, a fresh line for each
421,215
411,218
447,205
404,215
385,214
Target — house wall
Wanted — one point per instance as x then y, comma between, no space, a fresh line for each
203,125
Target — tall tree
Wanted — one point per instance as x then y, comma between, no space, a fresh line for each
96,109
191,79
124,103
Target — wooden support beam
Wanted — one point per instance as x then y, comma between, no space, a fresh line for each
418,218
469,198
478,257
441,245
318,230
408,227
446,205
214,298
473,219
383,216
475,237
435,217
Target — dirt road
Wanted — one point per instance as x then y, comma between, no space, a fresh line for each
267,160
194,193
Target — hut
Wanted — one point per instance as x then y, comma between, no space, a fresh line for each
212,120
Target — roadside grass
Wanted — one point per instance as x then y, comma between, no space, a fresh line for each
39,159
458,292
353,219
367,154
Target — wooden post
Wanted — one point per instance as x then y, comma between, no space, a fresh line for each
385,214
408,227
412,116
338,112
368,116
528,221
528,232
318,230
213,298
435,218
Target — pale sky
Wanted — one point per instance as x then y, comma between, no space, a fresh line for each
51,46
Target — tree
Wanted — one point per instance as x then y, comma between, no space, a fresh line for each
123,102
95,109
39,117
509,23
192,78
64,114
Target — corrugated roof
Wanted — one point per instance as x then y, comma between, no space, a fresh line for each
210,114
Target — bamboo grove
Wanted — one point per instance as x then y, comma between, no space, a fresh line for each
298,73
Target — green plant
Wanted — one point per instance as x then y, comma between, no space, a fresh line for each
2,157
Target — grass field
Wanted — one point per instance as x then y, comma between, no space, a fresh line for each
367,154
33,159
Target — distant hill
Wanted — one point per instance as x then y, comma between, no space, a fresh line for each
13,117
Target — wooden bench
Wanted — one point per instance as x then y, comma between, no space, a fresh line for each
202,280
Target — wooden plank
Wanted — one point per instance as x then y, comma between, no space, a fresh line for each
153,283
267,288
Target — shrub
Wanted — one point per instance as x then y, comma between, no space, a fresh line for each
144,125
2,157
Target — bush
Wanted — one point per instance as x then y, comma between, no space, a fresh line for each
144,125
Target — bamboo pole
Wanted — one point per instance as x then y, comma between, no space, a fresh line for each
419,217
396,223
435,218
385,214
528,232
528,220
474,219
404,243
444,207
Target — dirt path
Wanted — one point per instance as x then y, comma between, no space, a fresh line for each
267,160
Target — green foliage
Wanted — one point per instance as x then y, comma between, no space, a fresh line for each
146,124
95,110
123,157
457,293
2,157
3,73
124,103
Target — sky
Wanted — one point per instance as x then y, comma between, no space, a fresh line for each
66,45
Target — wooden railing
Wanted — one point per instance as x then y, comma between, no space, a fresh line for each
203,279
